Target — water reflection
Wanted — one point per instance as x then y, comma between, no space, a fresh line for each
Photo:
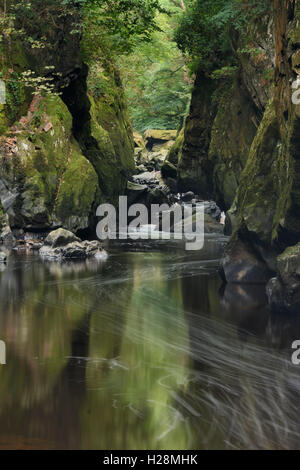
146,350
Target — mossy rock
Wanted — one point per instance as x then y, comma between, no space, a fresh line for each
174,154
47,179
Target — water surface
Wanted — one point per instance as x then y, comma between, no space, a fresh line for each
144,351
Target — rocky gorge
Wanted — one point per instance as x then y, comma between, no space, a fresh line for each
62,154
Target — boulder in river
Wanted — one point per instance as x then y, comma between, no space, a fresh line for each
3,257
62,244
60,237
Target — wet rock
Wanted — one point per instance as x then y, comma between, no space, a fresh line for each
169,170
212,209
60,237
231,220
158,195
284,290
34,244
187,196
7,237
76,250
146,178
3,257
135,191
241,264
141,169
172,184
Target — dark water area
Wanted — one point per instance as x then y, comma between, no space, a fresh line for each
146,350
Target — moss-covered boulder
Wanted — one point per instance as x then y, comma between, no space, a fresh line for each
45,179
284,291
63,153
174,154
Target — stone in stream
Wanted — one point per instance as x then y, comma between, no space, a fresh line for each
3,257
64,245
186,197
148,177
60,237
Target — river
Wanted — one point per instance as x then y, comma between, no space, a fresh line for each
146,350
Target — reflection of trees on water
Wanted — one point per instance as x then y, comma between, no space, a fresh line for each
144,351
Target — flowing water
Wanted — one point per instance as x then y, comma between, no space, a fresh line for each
144,351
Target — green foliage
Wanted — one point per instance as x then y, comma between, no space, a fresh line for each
155,77
121,23
224,72
206,30
14,97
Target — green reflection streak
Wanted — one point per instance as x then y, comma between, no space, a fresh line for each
143,342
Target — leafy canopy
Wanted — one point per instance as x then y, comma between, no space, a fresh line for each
206,30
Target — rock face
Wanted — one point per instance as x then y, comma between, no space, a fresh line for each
223,121
64,245
152,151
267,201
60,156
284,290
241,147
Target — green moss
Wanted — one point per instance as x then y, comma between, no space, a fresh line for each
77,194
54,180
292,251
264,194
175,153
232,134
109,109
